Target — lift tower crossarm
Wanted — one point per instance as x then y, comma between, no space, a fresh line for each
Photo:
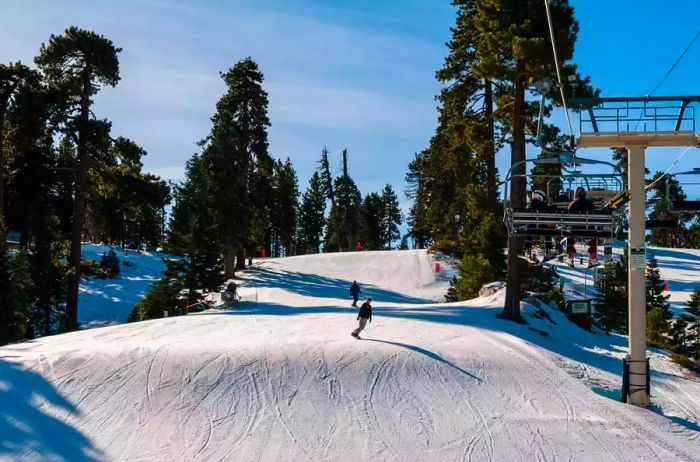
656,113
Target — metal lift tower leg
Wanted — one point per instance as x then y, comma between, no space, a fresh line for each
637,277
659,130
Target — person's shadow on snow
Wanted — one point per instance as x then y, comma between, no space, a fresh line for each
425,352
26,430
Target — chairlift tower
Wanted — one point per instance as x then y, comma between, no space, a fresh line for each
636,123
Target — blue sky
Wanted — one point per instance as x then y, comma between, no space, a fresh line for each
356,74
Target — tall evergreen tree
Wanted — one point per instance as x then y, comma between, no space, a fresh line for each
372,237
611,302
693,332
193,232
81,61
312,217
665,192
128,205
391,217
344,221
513,44
15,292
32,168
659,313
236,158
326,177
285,208
417,190
11,77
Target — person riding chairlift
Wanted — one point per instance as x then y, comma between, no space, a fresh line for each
538,201
582,204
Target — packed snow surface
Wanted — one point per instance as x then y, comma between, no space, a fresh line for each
282,379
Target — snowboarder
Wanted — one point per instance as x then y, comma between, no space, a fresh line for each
363,316
355,292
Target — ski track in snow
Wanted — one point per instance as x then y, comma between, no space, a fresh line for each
283,380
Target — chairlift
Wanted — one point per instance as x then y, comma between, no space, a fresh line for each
685,206
604,223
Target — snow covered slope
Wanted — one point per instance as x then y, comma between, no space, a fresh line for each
281,379
109,301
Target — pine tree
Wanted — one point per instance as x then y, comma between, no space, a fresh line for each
285,208
665,192
127,206
693,339
391,217
15,292
344,221
312,217
659,312
610,305
31,177
193,230
164,295
512,42
81,61
482,261
372,237
236,159
49,267
11,77
326,177
9,329
417,190
679,336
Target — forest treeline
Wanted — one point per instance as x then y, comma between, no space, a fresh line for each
66,178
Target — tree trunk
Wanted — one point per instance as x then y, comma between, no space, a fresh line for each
2,162
76,242
78,208
511,310
491,191
240,259
229,262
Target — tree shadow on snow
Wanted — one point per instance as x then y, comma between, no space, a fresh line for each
323,287
26,430
425,352
565,339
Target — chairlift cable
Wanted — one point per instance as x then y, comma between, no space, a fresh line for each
669,168
670,70
695,37
556,65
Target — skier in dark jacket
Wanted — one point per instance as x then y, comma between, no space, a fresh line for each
363,316
538,202
581,204
355,292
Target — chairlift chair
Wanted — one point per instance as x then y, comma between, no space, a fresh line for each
604,223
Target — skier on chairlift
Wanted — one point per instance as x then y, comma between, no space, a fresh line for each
582,204
538,201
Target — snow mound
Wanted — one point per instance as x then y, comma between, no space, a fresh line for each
282,379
